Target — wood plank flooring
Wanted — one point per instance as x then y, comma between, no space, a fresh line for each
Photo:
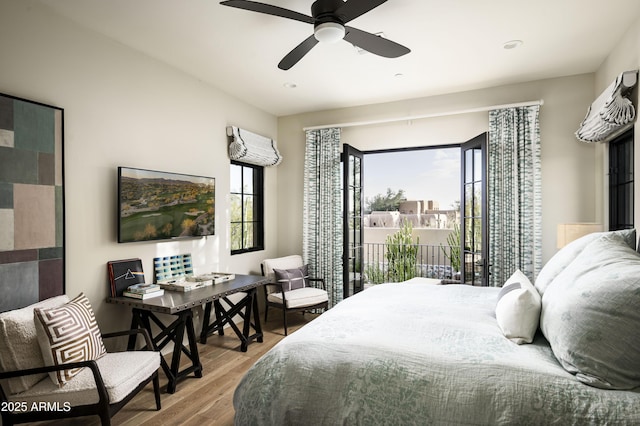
207,400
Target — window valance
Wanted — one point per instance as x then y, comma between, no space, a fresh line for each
612,112
251,148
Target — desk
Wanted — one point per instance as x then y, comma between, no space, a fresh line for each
180,304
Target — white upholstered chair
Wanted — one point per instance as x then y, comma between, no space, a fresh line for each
291,290
101,387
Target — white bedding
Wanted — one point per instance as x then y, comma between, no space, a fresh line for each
415,353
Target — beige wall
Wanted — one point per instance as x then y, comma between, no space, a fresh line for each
568,167
124,109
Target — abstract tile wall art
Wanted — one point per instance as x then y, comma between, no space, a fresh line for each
31,202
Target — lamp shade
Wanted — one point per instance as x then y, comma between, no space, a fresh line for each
568,232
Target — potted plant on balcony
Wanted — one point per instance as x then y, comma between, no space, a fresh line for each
452,251
402,253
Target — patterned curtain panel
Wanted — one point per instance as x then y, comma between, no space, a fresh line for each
515,193
322,221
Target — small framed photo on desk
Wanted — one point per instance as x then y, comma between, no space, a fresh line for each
124,273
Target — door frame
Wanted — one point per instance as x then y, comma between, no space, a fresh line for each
477,143
358,249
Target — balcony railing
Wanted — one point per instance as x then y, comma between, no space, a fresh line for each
394,263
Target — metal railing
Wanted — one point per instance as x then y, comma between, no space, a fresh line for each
394,263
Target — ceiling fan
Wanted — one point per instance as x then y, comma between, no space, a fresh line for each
328,18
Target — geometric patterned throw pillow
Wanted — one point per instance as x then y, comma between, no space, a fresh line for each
68,333
292,279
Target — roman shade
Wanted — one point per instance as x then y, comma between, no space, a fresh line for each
612,112
251,148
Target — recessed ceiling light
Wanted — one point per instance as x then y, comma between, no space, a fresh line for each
289,85
512,44
398,75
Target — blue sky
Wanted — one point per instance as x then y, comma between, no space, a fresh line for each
427,174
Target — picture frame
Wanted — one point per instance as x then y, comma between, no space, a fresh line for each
124,273
32,233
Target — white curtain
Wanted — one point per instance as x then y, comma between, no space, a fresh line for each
322,220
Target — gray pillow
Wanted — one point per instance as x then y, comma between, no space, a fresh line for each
591,315
292,279
565,256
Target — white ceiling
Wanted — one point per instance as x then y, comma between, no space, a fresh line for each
456,45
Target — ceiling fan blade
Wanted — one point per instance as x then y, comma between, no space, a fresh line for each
354,8
297,53
255,6
375,44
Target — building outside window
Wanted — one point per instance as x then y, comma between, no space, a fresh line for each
247,208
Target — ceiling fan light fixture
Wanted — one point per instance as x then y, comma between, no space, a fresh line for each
328,18
329,32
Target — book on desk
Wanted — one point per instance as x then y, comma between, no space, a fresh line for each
143,288
143,291
143,296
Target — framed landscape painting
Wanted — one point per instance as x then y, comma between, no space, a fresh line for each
31,202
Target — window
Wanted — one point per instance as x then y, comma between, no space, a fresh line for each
247,208
621,182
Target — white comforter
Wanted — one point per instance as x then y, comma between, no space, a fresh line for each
418,354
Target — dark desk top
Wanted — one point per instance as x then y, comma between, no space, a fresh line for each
175,301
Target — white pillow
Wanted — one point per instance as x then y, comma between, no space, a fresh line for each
568,253
518,309
591,316
19,347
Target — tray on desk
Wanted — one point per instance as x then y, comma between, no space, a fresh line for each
173,285
193,282
214,277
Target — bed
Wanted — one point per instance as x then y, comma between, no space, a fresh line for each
417,353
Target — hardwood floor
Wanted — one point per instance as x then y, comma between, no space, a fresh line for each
207,400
